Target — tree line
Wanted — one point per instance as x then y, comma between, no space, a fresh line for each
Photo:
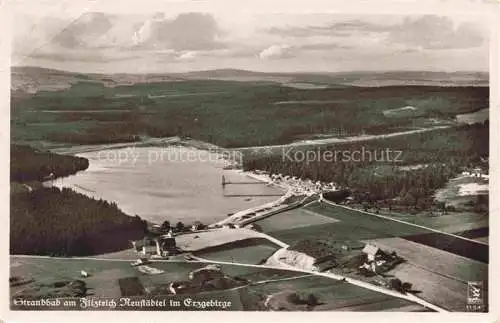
438,156
28,164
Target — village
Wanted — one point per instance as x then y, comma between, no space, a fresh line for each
361,260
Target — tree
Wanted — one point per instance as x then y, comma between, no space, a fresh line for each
180,226
396,284
165,226
406,287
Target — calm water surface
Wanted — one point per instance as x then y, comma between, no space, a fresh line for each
167,183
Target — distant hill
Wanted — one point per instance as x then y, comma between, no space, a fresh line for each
32,79
357,78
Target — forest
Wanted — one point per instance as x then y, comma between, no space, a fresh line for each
28,164
231,114
55,222
427,162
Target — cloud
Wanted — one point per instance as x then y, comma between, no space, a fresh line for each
433,32
187,56
324,46
344,28
190,40
88,56
425,32
276,52
187,31
82,31
95,36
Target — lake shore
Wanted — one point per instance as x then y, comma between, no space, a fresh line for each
174,180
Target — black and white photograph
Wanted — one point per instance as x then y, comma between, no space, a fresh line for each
183,156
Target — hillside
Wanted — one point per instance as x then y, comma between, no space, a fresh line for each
28,164
49,221
32,79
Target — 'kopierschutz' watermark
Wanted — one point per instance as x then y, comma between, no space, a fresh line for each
386,155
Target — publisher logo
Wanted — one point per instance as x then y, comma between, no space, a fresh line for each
475,296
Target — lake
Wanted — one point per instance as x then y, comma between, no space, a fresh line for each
167,183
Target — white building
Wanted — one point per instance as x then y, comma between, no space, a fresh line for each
371,251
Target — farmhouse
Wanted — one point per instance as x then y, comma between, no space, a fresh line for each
167,245
372,252
160,247
197,226
150,247
378,261
312,254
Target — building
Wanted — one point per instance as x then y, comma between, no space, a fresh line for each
372,252
161,247
150,247
197,226
476,172
168,246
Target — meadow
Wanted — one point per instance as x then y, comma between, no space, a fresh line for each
333,295
350,225
295,218
356,226
251,254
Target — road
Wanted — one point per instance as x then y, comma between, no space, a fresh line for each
281,265
404,222
323,141
278,264
72,150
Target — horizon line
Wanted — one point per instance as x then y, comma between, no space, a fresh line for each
260,72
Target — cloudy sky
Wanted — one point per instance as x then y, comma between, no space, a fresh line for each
177,39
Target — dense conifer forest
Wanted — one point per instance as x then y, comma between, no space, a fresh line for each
50,221
427,161
28,164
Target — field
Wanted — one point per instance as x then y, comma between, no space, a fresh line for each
440,277
208,239
466,224
292,219
435,260
333,295
372,227
250,254
395,228
111,278
90,113
103,274
426,267
453,192
350,225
